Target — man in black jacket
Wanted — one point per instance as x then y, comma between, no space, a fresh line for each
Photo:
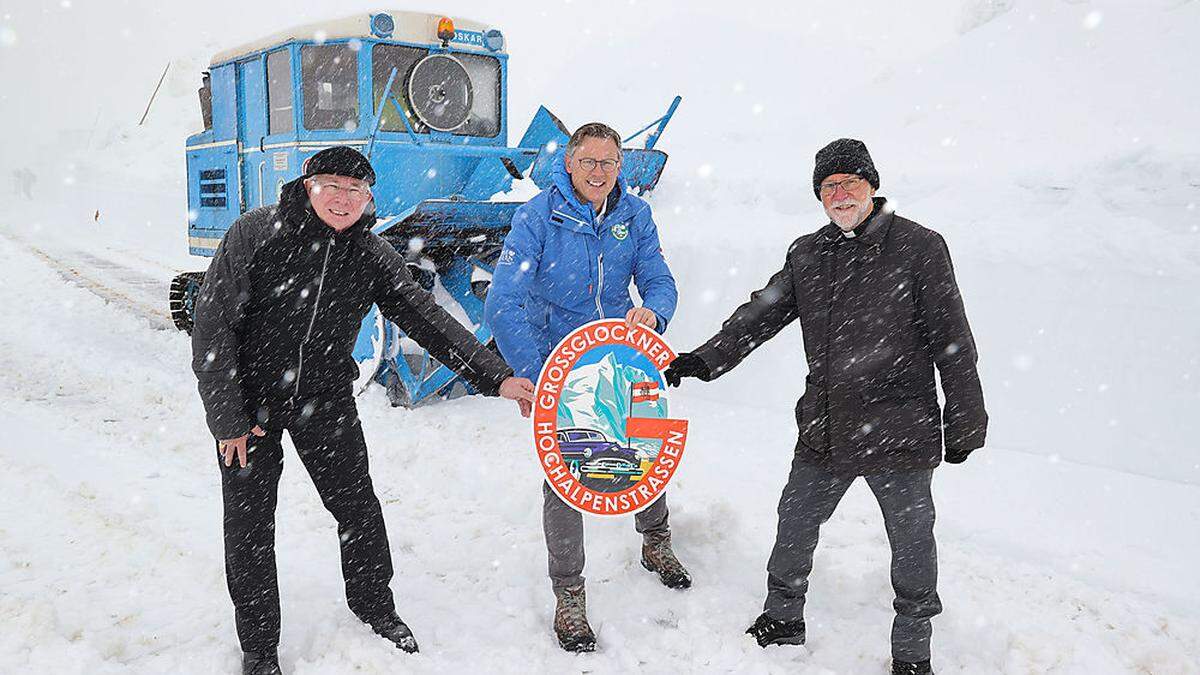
276,321
879,308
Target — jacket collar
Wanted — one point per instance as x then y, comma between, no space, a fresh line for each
296,214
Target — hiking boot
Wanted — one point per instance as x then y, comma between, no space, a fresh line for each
570,620
260,663
911,667
396,631
658,557
770,631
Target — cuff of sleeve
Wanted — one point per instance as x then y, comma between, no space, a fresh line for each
224,429
493,388
708,357
964,442
661,326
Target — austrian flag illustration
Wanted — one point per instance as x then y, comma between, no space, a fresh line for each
644,391
601,427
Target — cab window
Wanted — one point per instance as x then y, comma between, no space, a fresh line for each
205,92
279,92
383,59
329,77
484,72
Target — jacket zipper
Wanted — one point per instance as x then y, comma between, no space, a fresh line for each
571,218
600,285
312,320
599,261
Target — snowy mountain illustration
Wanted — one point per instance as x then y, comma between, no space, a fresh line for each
597,395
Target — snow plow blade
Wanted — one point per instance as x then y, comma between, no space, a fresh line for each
448,223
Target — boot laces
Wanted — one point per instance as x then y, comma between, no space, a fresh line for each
572,610
659,552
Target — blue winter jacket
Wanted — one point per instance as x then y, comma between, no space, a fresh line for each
558,271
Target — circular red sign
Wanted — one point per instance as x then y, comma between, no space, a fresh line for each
573,475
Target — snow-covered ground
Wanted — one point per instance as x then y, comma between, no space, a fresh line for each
1053,143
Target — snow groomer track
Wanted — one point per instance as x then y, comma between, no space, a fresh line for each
132,290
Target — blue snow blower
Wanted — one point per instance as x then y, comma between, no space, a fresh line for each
425,98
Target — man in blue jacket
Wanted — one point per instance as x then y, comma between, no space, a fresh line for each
568,260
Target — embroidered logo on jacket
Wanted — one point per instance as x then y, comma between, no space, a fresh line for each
620,231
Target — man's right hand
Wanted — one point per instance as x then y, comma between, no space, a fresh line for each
686,364
237,446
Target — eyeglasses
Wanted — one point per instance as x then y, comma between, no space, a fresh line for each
352,191
848,184
589,164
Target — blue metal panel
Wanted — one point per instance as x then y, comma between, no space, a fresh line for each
212,188
254,170
366,105
549,136
408,174
423,377
224,102
252,128
279,164
371,344
443,220
252,101
642,167
488,178
502,137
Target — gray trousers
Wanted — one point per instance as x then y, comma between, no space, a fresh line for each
808,500
563,526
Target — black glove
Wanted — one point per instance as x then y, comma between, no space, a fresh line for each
957,456
686,364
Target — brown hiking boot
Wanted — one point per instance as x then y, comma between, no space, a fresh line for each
658,557
570,620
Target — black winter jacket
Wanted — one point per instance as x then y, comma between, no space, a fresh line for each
282,304
877,311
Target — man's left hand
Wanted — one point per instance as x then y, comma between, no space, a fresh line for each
957,456
642,316
518,389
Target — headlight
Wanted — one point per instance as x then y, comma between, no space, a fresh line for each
382,25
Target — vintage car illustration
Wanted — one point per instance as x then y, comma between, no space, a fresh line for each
598,462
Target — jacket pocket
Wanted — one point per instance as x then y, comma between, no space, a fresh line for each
898,417
812,417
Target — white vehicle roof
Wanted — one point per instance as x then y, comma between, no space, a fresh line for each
417,27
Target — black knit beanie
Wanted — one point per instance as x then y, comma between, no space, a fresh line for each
845,155
340,160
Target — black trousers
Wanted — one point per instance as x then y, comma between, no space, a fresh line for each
329,440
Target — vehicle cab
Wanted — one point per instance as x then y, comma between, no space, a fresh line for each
422,94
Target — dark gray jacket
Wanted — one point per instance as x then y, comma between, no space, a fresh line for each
282,304
877,311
